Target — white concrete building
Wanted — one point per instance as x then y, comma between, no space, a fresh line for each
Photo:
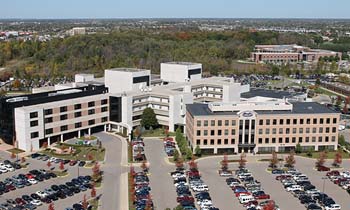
180,71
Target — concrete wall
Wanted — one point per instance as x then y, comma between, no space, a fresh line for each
177,72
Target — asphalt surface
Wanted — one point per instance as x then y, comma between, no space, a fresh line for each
163,190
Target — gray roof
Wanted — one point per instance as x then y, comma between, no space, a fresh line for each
298,108
269,93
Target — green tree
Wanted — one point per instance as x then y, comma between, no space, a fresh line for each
341,140
298,149
148,118
189,154
198,151
176,155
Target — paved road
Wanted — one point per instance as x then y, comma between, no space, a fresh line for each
163,190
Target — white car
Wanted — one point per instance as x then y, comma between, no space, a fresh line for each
32,181
3,170
312,191
225,173
200,188
9,167
181,183
333,207
41,194
205,202
52,159
36,202
294,187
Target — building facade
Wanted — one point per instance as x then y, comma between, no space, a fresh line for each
261,127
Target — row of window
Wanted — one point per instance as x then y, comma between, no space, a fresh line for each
294,139
218,132
297,121
212,142
294,130
65,108
213,123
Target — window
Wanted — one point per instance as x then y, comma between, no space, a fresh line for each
313,139
233,132
104,101
91,111
205,132
314,130
48,120
219,141
307,139
260,140
327,139
225,141
48,111
48,131
267,140
260,131
273,140
287,139
205,142
328,120
219,122
77,114
321,120
78,125
104,109
227,122
333,138
267,122
287,130
274,130
301,121
226,132
233,141
33,115
104,119
293,139
294,130
314,121
261,122
34,135
63,117
334,130
267,131
212,132
212,122
91,104
281,121
295,121
280,140
233,122
199,123
307,130
219,132
327,130
280,131
198,132
334,120
300,139
308,121
34,123
211,141
320,139
91,122
288,121
198,142
64,127
63,108
274,121
301,130
320,130
205,122
77,106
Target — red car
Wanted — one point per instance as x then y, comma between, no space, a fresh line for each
262,196
73,162
184,198
20,201
282,177
255,203
323,168
333,173
242,193
10,187
337,181
30,176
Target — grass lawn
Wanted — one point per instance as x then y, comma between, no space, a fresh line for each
130,159
94,203
90,138
82,153
268,160
330,155
15,151
156,133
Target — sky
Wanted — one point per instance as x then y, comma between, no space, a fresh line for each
53,9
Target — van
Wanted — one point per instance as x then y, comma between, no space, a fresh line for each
246,199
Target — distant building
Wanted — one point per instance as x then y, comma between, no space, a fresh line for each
77,31
289,54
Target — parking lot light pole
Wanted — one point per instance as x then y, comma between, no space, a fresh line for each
323,187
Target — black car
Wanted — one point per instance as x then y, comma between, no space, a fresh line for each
81,163
35,155
55,187
35,196
27,198
61,194
277,171
313,206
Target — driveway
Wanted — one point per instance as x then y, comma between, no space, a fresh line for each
163,190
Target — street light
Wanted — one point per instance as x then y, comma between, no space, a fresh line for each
323,187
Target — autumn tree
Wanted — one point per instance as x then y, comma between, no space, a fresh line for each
48,164
274,160
179,163
290,160
93,191
51,206
23,159
17,84
144,165
61,166
224,163
321,159
242,160
13,155
269,206
96,173
84,203
338,159
192,164
345,108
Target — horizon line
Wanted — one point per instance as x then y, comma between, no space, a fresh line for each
164,18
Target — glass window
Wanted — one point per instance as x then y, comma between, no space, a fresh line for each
274,121
91,104
287,139
64,127
91,111
280,131
334,120
261,122
219,141
78,125
34,135
104,109
205,142
91,122
308,121
294,130
48,131
205,132
233,141
77,114
48,120
199,123
320,130
321,120
267,131
104,101
287,130
198,132
280,140
334,130
226,132
274,130
212,122
48,111
219,122
260,131
314,121
63,108
288,121
281,121
260,140
307,130
34,123
313,139
301,130
267,140
328,120
327,130
273,140
198,142
104,119
219,132
333,138
233,132
314,130
307,139
77,106
206,123
233,122
225,141
295,121
211,141
267,122
63,117
227,122
320,139
301,121
33,115
212,132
